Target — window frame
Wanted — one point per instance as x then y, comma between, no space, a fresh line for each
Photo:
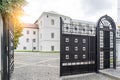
27,39
52,35
27,32
52,22
52,48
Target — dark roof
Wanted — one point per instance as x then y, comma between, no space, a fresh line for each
29,25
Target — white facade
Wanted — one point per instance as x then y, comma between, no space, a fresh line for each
118,13
29,40
118,34
118,46
49,31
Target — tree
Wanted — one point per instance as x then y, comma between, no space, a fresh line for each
12,10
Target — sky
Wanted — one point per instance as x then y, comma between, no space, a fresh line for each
89,10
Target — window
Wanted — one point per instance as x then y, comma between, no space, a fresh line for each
84,56
52,35
52,48
52,21
66,48
80,24
34,32
76,40
66,39
47,16
84,48
76,56
87,25
24,48
34,40
41,48
27,40
67,56
41,23
41,35
76,48
27,31
84,40
34,48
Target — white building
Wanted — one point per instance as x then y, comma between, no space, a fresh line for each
118,46
118,34
47,33
49,30
118,12
29,40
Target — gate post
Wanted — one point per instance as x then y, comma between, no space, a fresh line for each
60,46
1,33
4,41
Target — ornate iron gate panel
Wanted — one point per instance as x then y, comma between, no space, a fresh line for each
106,43
77,50
7,52
10,51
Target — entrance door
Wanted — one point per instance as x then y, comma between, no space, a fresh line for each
106,43
106,49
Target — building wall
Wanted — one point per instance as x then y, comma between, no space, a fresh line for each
46,29
118,46
25,44
118,13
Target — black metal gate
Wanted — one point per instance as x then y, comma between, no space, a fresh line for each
106,43
77,52
7,52
81,53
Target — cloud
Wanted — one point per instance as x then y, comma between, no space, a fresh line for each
96,6
89,10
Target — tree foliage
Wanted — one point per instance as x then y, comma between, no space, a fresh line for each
12,10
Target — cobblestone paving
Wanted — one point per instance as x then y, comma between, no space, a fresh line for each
44,66
36,66
90,76
112,72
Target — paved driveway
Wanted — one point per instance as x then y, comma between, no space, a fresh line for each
45,66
